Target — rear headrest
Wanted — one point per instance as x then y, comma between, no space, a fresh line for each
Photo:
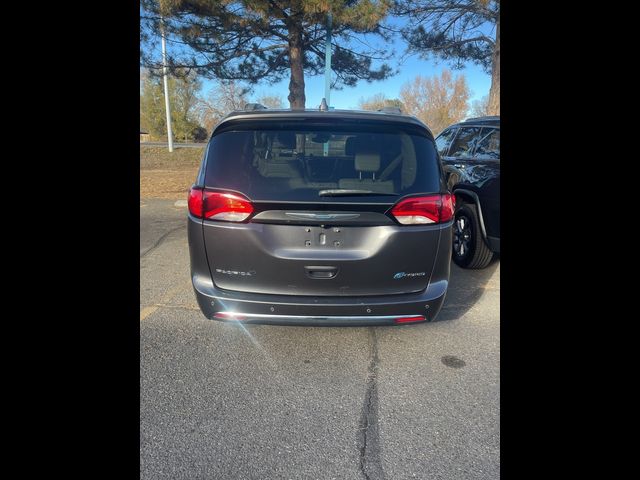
367,162
350,146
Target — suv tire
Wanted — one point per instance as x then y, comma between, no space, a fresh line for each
469,248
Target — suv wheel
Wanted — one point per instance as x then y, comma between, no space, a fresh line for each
469,248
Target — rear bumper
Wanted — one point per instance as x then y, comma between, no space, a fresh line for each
217,304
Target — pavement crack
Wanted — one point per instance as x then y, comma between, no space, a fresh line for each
160,240
368,435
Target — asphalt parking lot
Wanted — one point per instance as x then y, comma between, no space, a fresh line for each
227,401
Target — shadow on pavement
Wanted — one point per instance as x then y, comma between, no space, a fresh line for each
465,289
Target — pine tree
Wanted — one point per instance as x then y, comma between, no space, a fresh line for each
268,40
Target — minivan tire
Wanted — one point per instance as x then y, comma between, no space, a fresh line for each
475,253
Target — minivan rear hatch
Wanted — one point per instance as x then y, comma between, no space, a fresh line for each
305,207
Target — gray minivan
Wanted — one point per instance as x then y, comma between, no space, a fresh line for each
330,217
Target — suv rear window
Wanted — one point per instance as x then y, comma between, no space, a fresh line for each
289,162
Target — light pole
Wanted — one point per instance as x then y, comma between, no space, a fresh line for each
166,86
327,74
327,62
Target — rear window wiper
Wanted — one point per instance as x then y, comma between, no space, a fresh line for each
342,192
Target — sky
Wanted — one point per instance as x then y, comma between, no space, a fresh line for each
347,98
409,67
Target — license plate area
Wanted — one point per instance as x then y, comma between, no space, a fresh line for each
324,237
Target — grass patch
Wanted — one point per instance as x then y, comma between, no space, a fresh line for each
168,175
159,158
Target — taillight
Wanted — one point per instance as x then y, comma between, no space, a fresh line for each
227,207
424,210
448,207
195,202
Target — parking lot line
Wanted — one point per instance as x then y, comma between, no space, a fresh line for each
165,299
146,311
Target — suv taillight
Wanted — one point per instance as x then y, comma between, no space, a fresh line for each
227,207
424,210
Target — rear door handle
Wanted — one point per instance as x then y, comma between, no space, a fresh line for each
321,272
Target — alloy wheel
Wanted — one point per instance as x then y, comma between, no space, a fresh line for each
461,236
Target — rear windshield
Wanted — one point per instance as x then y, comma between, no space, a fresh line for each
322,163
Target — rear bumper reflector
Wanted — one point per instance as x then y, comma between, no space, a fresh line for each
415,318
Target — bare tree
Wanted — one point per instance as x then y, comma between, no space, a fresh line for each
271,101
221,99
456,31
378,101
480,108
437,101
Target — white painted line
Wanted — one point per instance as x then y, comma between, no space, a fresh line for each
165,299
145,312
180,203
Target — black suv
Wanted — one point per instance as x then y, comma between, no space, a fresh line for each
470,154
324,217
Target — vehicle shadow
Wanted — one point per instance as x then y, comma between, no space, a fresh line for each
465,289
289,345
